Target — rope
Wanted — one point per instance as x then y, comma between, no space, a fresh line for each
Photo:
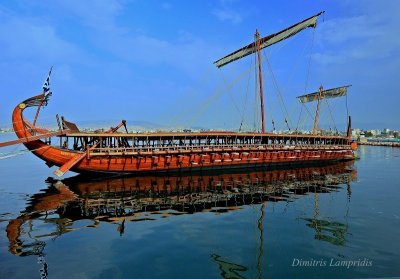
22,130
217,93
246,98
347,113
179,115
309,63
307,81
229,91
279,95
270,111
19,152
305,116
296,63
298,120
330,113
309,112
21,121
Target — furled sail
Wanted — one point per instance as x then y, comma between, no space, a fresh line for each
269,40
325,94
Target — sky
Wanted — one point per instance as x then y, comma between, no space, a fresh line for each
151,62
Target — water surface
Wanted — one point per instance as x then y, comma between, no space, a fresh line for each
301,222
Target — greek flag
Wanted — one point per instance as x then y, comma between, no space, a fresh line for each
46,84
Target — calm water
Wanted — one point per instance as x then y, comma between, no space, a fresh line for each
253,224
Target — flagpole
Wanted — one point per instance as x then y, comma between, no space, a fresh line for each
46,87
38,109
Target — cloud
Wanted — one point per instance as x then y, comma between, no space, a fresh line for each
360,37
93,13
341,30
228,15
123,43
32,39
186,54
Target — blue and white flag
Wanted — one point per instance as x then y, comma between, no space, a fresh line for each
46,84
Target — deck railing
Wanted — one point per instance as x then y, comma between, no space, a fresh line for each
211,148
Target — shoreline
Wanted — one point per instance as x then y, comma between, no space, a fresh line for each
390,144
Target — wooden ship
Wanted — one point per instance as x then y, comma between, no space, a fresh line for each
123,153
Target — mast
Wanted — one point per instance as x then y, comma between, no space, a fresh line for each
257,41
319,95
261,229
349,128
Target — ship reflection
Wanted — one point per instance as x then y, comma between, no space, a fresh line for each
128,199
331,231
229,270
328,230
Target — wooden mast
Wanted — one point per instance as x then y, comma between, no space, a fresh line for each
319,97
257,41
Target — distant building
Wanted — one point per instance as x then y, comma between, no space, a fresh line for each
356,132
375,132
378,132
386,131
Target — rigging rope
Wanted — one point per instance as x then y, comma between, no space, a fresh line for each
216,94
307,79
179,115
347,114
21,121
270,112
242,119
19,152
229,91
298,121
305,116
296,64
330,112
279,95
309,63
